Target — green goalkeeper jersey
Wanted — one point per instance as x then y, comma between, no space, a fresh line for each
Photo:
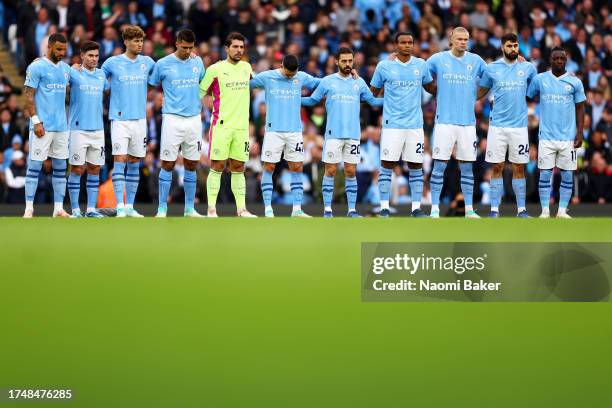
229,85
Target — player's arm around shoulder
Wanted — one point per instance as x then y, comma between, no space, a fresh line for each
534,88
377,82
367,95
209,76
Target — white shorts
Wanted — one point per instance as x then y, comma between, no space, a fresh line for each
341,150
515,141
52,144
557,153
446,136
409,144
129,137
277,143
181,133
87,147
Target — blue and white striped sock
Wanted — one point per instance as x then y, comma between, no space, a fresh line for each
59,182
74,190
467,184
520,191
93,186
544,188
266,188
297,189
497,186
384,186
566,189
437,182
328,192
189,185
132,179
31,183
119,182
415,181
165,181
351,192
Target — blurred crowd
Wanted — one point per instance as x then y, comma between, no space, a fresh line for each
313,30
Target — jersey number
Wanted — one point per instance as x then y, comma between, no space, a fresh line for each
299,147
144,143
475,145
573,155
523,149
199,146
246,147
419,148
355,149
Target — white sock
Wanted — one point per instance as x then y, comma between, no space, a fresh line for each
434,208
416,205
351,209
495,209
30,205
328,208
562,210
384,204
469,208
58,207
296,207
521,209
127,207
120,206
268,208
91,209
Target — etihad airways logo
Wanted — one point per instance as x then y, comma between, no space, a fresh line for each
557,98
185,82
132,78
345,98
405,84
281,92
457,77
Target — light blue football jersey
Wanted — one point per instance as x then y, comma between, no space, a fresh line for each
343,104
50,81
180,80
509,84
128,85
403,84
86,98
558,99
457,80
283,98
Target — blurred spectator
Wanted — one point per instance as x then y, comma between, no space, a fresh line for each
8,129
15,173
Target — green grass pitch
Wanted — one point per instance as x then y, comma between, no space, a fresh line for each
248,313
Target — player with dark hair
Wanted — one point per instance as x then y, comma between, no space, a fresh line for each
45,94
179,76
561,97
283,128
509,80
228,82
87,86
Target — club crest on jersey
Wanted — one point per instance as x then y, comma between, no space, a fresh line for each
469,67
385,152
437,150
520,73
143,67
330,155
196,70
76,157
355,87
166,153
37,152
417,72
568,87
66,75
295,82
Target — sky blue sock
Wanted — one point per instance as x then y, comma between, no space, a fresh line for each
415,180
351,192
437,181
267,187
520,191
544,187
467,182
328,190
165,180
566,188
384,183
297,188
74,189
131,182
32,179
497,186
189,185
119,181
59,180
93,186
